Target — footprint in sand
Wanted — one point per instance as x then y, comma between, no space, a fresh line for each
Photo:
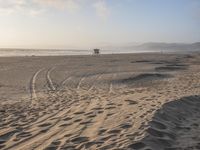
77,120
125,125
23,135
5,137
97,108
65,124
67,118
79,113
78,140
44,125
114,131
109,114
53,146
110,107
101,131
85,122
138,145
131,102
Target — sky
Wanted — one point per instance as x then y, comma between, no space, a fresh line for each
90,23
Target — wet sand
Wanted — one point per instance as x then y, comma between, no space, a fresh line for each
119,102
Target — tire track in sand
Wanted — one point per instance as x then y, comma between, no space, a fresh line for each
49,80
32,84
80,82
93,85
111,90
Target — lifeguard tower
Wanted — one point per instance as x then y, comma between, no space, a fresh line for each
96,51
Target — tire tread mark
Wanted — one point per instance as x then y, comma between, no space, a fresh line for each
32,85
49,80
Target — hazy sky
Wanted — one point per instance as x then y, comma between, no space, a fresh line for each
89,23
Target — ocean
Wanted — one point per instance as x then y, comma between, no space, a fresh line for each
58,52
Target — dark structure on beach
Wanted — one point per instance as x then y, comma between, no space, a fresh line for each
96,51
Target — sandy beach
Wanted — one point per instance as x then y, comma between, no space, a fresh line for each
145,101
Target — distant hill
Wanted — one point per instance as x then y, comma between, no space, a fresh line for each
168,46
153,46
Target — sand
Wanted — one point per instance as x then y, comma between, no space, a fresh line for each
118,102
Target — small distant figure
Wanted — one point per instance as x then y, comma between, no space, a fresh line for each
96,51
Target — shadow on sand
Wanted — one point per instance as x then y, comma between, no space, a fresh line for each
176,126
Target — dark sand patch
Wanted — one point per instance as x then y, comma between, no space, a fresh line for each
177,65
142,61
145,78
171,68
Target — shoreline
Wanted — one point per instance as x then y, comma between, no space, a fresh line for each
103,54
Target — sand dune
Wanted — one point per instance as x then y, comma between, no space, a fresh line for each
129,101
